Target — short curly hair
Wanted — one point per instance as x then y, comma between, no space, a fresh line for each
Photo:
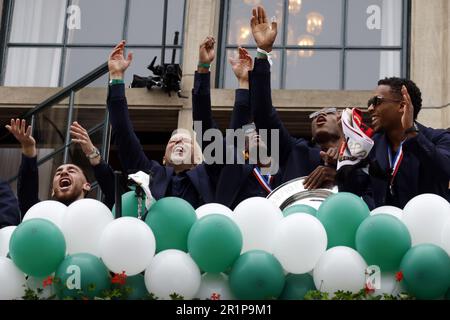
396,88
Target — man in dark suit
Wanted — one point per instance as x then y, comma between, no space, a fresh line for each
69,183
298,157
408,158
235,182
182,174
9,207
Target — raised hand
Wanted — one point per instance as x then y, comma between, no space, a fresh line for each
241,64
206,53
81,137
22,133
263,32
408,110
117,63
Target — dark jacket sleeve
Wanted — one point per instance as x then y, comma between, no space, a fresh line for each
201,101
242,113
104,175
9,207
28,184
131,154
432,147
264,114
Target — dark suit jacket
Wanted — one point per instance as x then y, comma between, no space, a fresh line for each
425,168
231,179
133,157
297,157
9,207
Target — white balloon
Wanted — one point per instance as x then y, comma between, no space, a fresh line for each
389,285
215,287
54,211
340,268
425,217
5,236
299,242
127,244
258,219
445,241
393,211
172,271
12,280
213,208
83,225
37,285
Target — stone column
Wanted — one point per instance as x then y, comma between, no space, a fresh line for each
430,59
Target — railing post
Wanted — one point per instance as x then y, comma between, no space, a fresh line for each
105,147
69,122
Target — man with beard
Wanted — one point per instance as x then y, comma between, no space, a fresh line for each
236,182
69,182
182,174
297,157
9,207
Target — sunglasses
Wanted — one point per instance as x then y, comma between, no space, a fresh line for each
376,101
323,111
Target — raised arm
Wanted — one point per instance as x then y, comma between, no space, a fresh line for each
264,114
28,180
241,65
104,174
131,154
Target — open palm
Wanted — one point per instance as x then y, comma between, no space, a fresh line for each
242,64
117,63
263,32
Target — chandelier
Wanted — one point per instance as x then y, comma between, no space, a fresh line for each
314,23
306,41
295,6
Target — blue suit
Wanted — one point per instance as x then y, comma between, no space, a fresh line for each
234,182
28,183
132,156
425,168
298,157
9,207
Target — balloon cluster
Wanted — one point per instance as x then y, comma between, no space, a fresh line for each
256,251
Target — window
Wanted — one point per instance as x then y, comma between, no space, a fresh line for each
323,44
54,42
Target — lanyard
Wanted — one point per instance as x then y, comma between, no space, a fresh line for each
394,164
264,181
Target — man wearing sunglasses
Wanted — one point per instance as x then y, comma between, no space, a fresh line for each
408,158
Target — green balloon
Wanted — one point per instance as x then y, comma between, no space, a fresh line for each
256,275
297,285
299,208
383,240
135,286
37,247
447,295
130,205
341,214
81,275
171,220
426,271
215,242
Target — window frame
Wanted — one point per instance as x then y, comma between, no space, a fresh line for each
403,48
5,44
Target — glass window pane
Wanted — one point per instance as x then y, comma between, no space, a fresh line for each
320,20
101,22
231,81
38,21
36,67
175,20
145,22
363,69
240,12
81,61
313,69
374,22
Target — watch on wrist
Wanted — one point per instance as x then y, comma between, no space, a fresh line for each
94,154
414,128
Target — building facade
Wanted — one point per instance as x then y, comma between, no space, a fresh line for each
328,53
